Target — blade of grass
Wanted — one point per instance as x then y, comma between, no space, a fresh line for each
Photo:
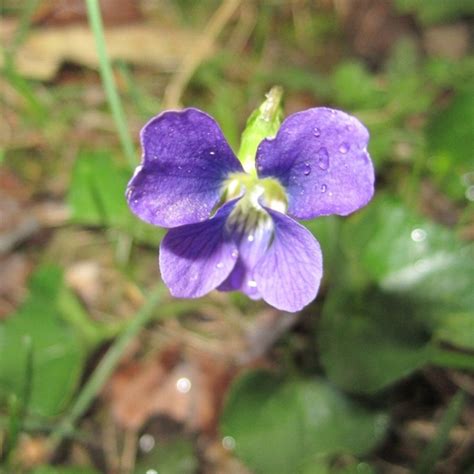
105,369
95,21
434,450
452,359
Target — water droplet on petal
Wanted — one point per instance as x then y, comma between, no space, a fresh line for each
219,265
349,128
250,238
234,254
344,148
323,158
252,283
317,132
212,152
307,169
323,188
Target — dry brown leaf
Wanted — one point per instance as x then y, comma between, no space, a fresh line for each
143,44
185,387
63,12
14,271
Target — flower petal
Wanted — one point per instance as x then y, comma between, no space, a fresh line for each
252,245
289,274
320,156
196,258
185,161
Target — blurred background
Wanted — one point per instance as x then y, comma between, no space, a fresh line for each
101,371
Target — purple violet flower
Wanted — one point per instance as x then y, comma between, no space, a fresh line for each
234,229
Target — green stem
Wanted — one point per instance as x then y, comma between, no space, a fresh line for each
437,445
105,368
95,21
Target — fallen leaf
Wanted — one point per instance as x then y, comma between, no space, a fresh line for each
143,44
186,386
63,12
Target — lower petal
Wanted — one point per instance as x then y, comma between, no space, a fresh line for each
252,244
289,273
196,258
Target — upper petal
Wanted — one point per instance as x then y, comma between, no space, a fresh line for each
320,156
289,273
196,258
185,161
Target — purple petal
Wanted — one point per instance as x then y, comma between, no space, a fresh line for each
185,161
196,258
252,245
320,156
289,274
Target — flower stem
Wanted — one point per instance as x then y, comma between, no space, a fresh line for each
105,368
95,21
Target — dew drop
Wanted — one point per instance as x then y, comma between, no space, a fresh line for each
252,283
250,238
212,152
317,132
228,442
146,442
183,385
323,158
220,265
418,235
323,188
307,169
344,148
234,254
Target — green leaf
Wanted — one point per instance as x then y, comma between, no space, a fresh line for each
450,143
370,340
57,353
407,254
97,197
355,87
280,426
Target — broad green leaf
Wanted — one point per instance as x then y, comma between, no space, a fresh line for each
280,426
450,138
409,255
37,330
370,340
97,197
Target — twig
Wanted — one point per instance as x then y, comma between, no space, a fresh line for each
178,83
